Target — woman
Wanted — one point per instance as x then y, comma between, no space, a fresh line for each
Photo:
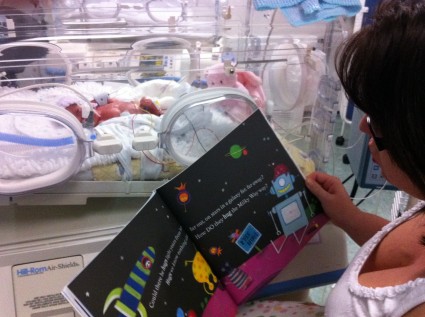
382,69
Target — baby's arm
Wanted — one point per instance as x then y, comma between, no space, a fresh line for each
336,202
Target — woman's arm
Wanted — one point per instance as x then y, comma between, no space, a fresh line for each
337,204
418,311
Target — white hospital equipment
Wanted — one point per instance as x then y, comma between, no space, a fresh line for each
102,101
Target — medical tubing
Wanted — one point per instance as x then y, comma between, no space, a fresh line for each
28,140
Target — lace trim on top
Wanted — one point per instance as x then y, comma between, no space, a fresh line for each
387,291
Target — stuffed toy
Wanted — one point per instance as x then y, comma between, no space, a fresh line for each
246,81
217,76
254,85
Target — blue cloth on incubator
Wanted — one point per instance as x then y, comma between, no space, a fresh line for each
301,12
273,4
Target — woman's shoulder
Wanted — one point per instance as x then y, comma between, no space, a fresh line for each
396,255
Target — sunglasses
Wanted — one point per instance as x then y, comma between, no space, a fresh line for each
379,141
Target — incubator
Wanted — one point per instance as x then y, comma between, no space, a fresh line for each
103,101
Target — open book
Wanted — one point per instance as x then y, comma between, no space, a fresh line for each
208,239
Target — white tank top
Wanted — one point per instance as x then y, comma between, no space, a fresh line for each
349,298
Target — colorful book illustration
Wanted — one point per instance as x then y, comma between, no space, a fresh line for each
208,239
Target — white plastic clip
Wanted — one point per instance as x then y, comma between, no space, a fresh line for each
144,140
106,143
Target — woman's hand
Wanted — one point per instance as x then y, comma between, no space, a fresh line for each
337,204
332,194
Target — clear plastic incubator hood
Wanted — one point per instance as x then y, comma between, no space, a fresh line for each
112,98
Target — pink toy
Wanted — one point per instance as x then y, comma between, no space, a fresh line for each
254,85
246,81
216,76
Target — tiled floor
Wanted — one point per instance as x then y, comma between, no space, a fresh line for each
379,202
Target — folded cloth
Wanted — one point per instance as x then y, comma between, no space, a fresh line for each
311,11
273,4
310,6
301,12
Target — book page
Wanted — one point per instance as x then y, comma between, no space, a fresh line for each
245,206
151,268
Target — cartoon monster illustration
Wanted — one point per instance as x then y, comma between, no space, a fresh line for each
236,276
128,297
202,272
239,278
234,235
183,196
216,251
283,182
